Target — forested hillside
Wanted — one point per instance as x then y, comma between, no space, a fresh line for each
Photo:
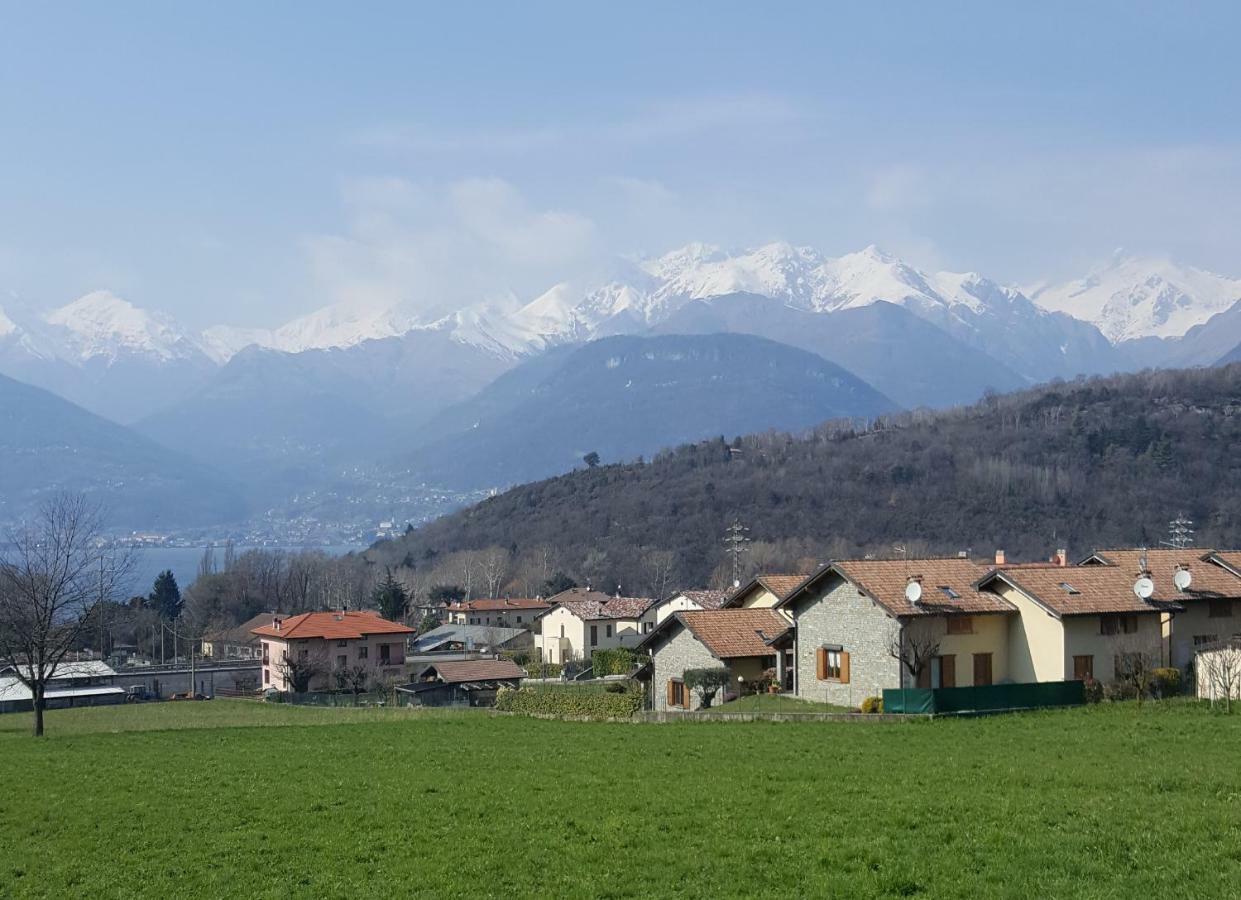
1105,461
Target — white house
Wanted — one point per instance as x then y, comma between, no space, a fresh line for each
582,621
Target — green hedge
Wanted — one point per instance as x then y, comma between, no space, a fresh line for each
542,670
617,661
570,702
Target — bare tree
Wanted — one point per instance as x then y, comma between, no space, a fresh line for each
493,566
355,679
914,642
1135,664
659,566
54,571
299,670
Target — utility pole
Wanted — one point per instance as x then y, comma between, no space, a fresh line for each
734,545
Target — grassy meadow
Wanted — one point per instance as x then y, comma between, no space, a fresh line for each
234,798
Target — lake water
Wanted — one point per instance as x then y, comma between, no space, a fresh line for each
183,561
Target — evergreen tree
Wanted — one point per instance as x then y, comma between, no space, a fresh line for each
165,596
391,598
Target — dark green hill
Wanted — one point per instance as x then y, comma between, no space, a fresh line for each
624,397
1108,461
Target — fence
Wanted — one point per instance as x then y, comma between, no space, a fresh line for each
985,698
327,698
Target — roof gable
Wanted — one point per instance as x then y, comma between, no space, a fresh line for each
348,625
726,633
949,586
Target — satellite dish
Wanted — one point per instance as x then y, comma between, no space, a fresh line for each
1182,579
913,592
1144,587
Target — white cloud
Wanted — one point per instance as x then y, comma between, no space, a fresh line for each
433,248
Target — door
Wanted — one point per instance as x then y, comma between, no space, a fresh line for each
982,669
1083,668
947,670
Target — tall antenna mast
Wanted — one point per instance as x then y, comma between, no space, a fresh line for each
1180,533
734,545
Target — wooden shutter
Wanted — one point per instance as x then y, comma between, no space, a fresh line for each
820,664
844,666
670,694
982,669
947,671
684,696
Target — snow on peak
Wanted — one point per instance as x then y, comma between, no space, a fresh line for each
341,326
222,342
101,324
1132,297
7,325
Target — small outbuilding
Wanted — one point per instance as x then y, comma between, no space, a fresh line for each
469,682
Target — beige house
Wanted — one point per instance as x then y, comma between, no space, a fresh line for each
682,601
1079,622
764,591
581,621
746,642
1212,600
857,633
312,646
1217,670
500,613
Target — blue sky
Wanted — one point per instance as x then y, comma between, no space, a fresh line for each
250,162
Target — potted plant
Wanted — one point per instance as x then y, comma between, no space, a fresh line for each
773,683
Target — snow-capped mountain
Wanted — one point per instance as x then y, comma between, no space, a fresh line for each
101,325
1130,298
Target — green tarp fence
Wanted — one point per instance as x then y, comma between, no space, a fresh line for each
985,698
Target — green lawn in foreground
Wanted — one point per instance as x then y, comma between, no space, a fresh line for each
1106,801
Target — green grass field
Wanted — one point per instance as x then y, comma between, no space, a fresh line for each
210,800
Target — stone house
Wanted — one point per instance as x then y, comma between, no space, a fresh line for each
746,642
857,632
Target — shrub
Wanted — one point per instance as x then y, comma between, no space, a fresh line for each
616,661
1119,690
1092,691
542,670
616,687
1166,682
570,701
707,682
872,705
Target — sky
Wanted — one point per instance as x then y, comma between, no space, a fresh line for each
246,163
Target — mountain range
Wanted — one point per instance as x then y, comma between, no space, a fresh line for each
445,400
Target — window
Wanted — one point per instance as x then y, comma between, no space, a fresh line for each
677,694
594,635
949,592
266,647
1068,588
1083,668
1117,624
609,630
561,631
266,677
1200,639
385,653
342,661
1220,609
342,643
960,625
363,651
519,620
646,627
982,669
832,664
1129,664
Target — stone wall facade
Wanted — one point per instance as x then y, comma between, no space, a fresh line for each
671,658
839,614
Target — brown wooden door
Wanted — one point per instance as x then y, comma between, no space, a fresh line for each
1083,668
982,669
947,671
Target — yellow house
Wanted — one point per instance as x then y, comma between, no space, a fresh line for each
858,633
1079,622
683,601
582,621
1211,599
764,591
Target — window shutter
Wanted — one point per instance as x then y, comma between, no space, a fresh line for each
820,664
844,666
670,700
684,697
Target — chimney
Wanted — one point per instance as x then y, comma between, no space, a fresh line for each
999,557
275,623
1062,557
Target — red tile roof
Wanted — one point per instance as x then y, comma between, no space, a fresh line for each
948,585
1230,559
734,633
591,605
705,599
1081,590
500,604
337,626
460,671
1209,580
